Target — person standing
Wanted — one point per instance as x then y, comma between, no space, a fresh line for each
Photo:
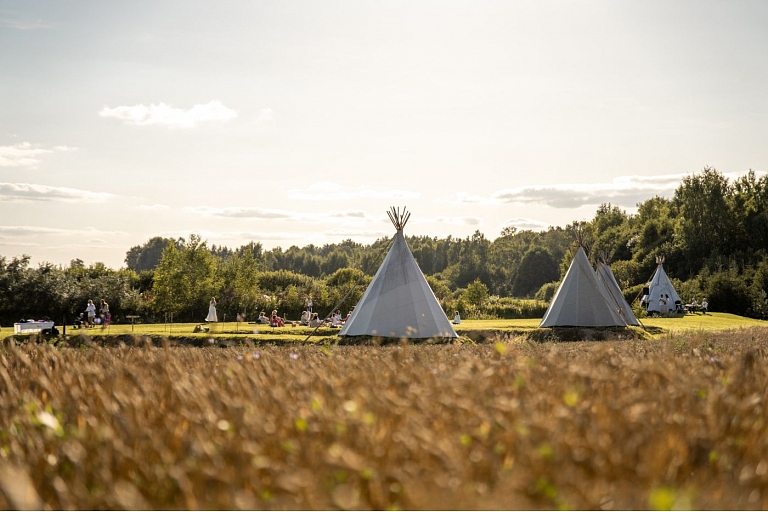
308,304
90,311
212,311
104,312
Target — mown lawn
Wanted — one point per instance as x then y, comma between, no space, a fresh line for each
656,327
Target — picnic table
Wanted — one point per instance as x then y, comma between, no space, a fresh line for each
33,326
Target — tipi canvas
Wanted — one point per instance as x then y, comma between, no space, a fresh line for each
581,301
608,280
661,286
399,302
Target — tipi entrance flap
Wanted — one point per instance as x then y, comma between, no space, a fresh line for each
661,286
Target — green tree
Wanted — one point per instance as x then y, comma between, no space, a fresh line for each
186,279
476,293
147,256
705,224
537,268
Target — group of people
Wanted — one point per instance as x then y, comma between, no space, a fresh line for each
92,317
308,318
695,307
312,320
666,306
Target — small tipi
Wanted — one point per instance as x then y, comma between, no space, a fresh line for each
661,286
608,280
581,300
399,302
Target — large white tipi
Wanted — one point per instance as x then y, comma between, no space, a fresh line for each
581,301
399,302
608,280
661,286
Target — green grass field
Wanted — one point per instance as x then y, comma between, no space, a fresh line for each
656,327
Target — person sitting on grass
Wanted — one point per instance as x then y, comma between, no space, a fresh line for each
315,321
336,319
304,320
457,318
276,321
263,319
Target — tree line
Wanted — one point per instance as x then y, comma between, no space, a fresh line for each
712,232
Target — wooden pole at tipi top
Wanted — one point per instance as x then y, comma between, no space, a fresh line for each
398,220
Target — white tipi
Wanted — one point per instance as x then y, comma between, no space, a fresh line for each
399,302
581,300
608,280
660,287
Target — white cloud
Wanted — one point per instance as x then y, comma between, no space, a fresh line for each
241,212
453,221
23,231
356,234
32,192
329,191
22,154
464,198
6,231
623,190
523,223
265,213
239,237
153,207
170,116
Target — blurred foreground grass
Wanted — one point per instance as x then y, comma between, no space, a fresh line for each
676,422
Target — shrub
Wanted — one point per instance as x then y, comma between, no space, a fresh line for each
547,291
728,292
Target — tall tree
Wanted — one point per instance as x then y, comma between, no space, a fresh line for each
147,256
705,224
537,268
186,279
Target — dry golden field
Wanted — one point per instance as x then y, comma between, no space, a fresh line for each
678,422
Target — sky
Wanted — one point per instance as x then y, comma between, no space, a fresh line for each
290,123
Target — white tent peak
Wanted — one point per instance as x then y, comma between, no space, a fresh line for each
399,220
399,302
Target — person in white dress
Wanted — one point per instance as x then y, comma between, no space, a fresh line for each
336,318
212,311
90,310
457,319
